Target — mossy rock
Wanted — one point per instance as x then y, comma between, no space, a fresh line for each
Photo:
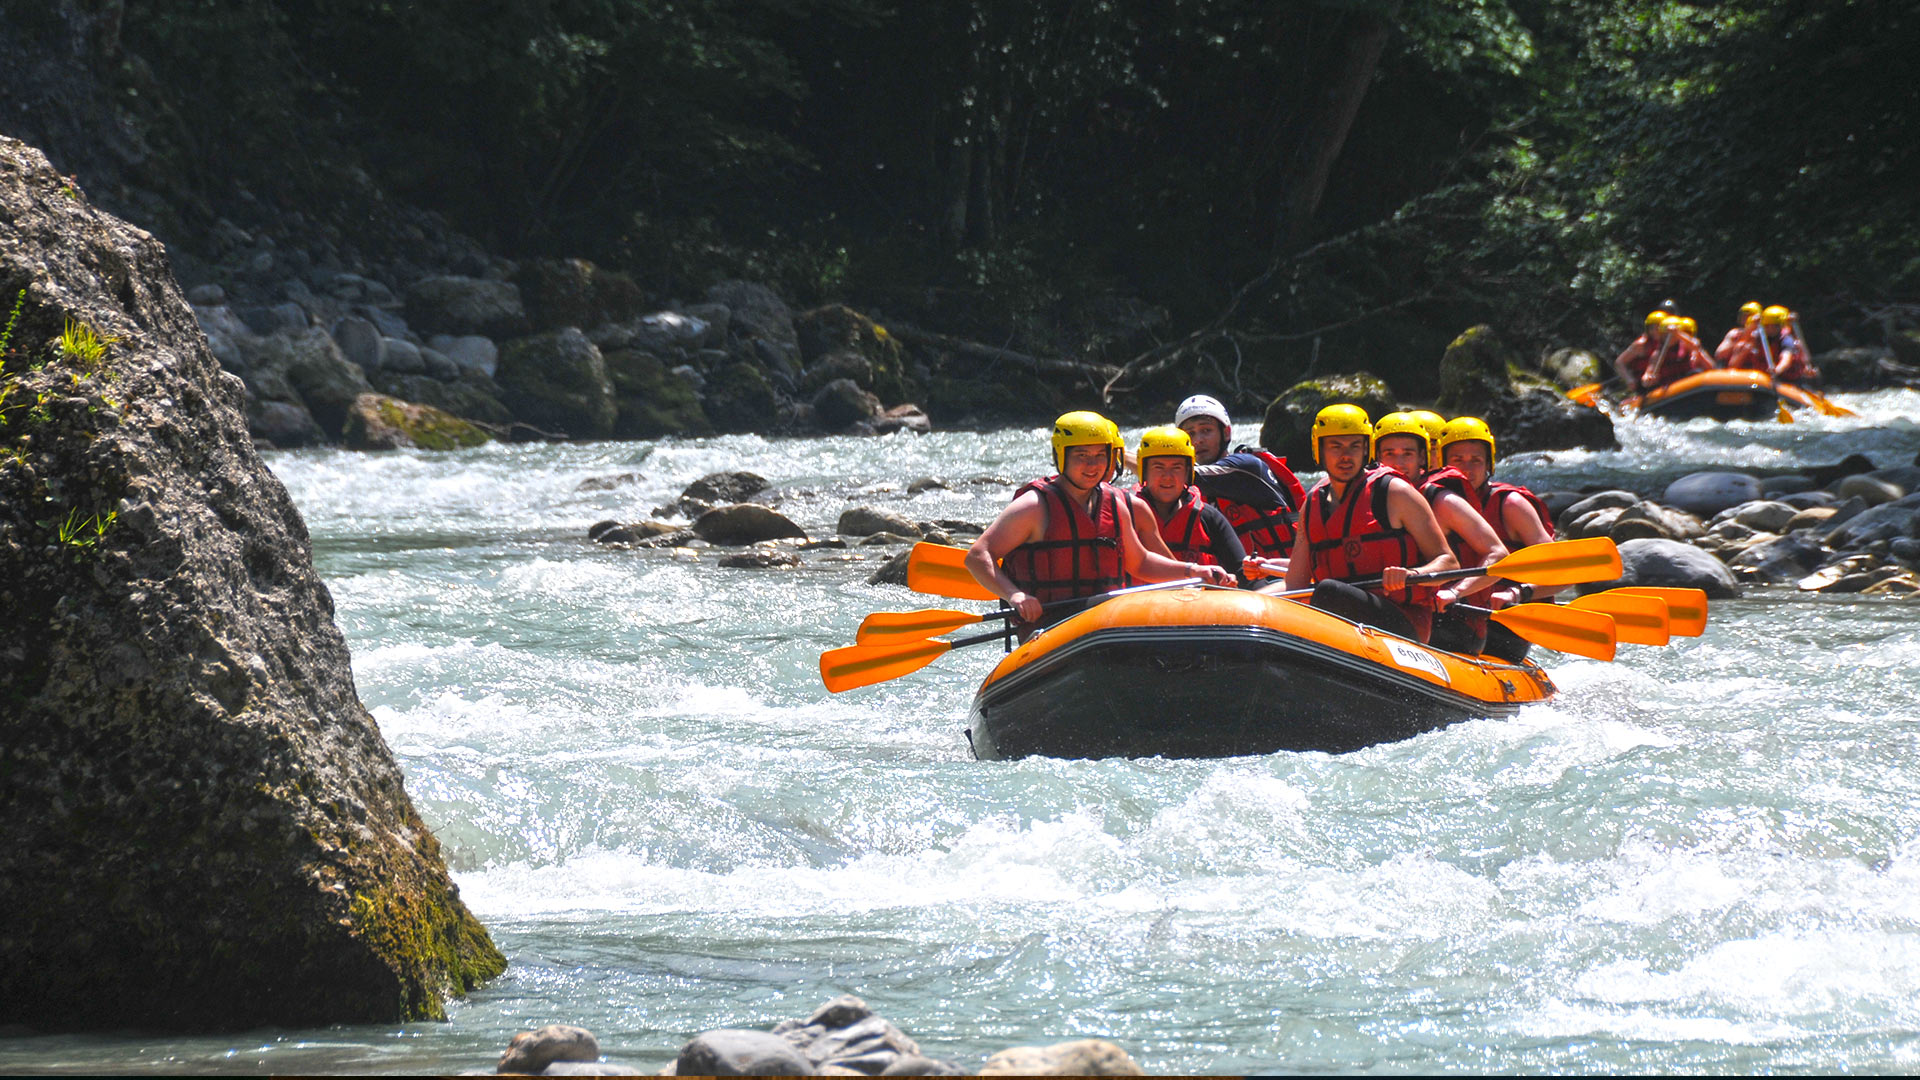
652,401
575,292
1568,368
558,381
378,422
1478,368
836,329
1289,420
739,398
472,396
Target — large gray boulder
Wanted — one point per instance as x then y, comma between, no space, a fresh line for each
1782,560
736,1052
1480,376
1081,1057
313,366
1707,493
204,827
1669,563
746,523
558,381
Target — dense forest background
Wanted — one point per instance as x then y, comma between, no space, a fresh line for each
1230,191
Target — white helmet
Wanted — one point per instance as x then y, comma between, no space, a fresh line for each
1202,405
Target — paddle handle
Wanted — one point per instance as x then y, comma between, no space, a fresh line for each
1412,579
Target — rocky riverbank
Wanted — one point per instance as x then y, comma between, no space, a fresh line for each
843,1037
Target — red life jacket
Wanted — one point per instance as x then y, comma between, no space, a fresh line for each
1492,504
1433,484
1353,539
1682,359
1183,531
1265,533
1079,555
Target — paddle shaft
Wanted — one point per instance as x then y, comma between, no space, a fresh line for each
1412,579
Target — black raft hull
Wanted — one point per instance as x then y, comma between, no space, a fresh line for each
1290,679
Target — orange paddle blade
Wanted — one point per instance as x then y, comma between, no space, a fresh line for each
1826,407
896,627
1564,562
939,570
1637,620
1586,395
1686,608
1567,630
864,665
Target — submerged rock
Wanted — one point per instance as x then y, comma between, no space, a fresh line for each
204,826
743,524
532,1051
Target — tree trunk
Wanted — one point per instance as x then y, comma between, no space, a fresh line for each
1306,181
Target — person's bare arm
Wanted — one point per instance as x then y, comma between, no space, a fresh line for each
1407,509
1460,519
1152,566
1148,526
1300,564
1023,521
1523,522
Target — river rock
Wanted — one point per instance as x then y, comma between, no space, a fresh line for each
1792,484
591,1068
1805,500
402,357
283,424
1669,563
558,381
1669,523
1764,515
1897,518
532,1051
1811,517
650,401
1780,560
378,422
726,487
1289,420
842,404
1599,500
906,417
1536,418
450,304
1082,1057
204,827
893,571
760,559
887,539
1905,477
867,520
756,311
206,295
735,1052
1869,489
574,292
920,1065
1569,368
471,352
360,342
1847,466
743,524
1559,501
1707,493
739,398
472,395
838,342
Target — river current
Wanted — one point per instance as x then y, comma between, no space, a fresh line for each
1698,858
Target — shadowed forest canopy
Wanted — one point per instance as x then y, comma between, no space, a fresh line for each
1295,182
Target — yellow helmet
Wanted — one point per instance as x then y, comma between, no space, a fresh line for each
1657,319
1340,420
1402,423
1774,315
1749,309
1082,429
1165,442
1468,429
1688,326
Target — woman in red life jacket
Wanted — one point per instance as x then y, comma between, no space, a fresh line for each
1679,358
1252,488
1517,516
1740,338
1633,361
1074,535
1401,443
1193,530
1363,522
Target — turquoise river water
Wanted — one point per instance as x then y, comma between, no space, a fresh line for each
1699,858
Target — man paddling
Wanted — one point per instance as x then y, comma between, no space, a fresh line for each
1739,340
1518,517
1072,536
1401,443
1193,529
1252,488
1361,523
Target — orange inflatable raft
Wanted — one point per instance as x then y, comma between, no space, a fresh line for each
1223,672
